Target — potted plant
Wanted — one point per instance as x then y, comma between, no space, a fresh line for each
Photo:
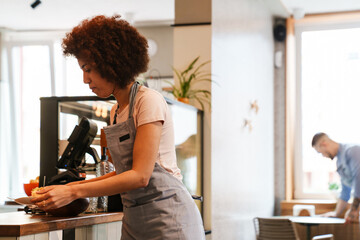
185,90
334,189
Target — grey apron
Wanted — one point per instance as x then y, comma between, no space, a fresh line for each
162,210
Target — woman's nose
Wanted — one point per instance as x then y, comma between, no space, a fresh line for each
86,78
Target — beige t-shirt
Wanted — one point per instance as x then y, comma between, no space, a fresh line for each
150,106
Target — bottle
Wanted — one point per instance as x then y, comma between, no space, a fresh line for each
102,168
93,201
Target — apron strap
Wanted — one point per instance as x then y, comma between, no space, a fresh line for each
133,92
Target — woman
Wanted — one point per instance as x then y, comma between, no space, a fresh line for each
111,54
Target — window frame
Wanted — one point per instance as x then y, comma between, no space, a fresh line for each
311,23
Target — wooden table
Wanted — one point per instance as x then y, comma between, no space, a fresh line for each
314,221
14,225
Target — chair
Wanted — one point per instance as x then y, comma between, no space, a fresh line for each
201,199
279,228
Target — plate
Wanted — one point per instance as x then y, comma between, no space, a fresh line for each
24,201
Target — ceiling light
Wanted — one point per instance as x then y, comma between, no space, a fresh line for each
35,4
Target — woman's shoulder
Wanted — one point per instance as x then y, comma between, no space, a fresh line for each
146,94
150,106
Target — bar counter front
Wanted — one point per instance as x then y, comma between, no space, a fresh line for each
22,226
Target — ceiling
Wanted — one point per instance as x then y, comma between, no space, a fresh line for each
64,14
321,6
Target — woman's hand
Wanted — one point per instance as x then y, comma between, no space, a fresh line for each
55,196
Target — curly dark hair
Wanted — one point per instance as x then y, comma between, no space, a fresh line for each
117,50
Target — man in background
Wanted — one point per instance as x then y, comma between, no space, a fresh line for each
348,167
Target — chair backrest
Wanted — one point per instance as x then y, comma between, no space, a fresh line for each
275,229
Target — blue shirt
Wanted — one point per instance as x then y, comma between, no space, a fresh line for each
348,167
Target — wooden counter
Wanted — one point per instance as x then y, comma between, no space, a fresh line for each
15,224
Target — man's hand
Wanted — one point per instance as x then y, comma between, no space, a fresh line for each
328,214
351,216
340,207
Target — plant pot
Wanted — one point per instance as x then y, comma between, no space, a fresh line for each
184,100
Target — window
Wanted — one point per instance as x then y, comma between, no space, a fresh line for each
31,68
328,85
31,80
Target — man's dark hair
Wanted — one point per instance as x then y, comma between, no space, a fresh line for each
317,137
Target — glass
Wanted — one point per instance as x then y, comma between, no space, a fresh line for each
103,168
93,203
188,142
59,116
31,80
71,111
330,85
28,75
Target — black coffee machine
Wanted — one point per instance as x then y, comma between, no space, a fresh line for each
73,156
73,159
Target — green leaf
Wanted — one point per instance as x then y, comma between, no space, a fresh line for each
177,73
201,65
191,65
190,76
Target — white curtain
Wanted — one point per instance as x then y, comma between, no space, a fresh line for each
32,66
9,167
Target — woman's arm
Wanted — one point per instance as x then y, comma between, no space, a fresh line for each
145,151
110,174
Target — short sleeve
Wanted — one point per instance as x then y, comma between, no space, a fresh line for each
150,107
345,192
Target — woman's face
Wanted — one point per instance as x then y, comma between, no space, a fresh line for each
99,85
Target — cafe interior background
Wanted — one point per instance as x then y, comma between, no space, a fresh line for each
282,70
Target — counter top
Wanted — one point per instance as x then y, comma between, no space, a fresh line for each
19,223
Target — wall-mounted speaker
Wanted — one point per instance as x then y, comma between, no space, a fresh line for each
279,32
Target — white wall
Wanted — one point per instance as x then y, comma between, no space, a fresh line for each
242,161
162,61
